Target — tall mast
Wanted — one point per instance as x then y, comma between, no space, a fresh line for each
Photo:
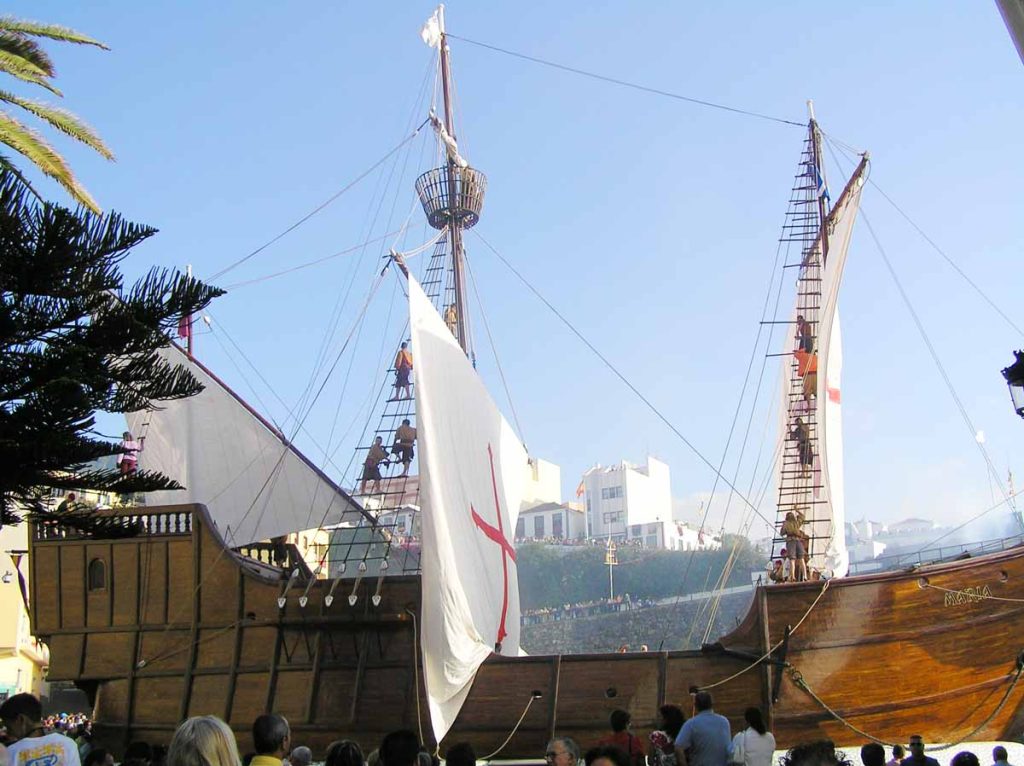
820,170
455,228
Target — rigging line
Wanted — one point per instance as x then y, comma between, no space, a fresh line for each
324,259
937,249
321,206
626,83
947,533
935,358
494,350
615,370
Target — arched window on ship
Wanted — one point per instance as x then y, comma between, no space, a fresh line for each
97,575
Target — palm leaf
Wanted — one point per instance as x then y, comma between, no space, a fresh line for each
62,120
27,49
52,31
33,147
24,70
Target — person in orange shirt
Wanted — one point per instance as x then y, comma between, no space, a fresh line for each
622,738
403,369
807,366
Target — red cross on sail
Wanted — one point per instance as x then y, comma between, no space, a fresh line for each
497,534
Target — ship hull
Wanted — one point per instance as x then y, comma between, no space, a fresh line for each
172,624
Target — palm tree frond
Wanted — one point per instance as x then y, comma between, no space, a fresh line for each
30,50
62,120
33,147
24,70
52,31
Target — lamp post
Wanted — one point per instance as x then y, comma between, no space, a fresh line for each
1014,375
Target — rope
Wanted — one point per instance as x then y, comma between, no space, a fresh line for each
799,681
321,206
416,669
769,653
626,84
515,728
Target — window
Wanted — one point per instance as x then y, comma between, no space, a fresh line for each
97,575
614,517
556,526
521,527
538,526
610,493
636,530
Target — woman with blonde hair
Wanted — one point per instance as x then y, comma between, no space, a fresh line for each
203,741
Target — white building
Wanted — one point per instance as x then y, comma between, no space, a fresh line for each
628,502
692,539
543,483
562,521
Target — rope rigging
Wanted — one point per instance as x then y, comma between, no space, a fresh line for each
626,83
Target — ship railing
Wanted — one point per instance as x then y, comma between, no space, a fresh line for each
284,556
117,524
934,555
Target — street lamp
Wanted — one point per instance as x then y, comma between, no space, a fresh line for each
1014,375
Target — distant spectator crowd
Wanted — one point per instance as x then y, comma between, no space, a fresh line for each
584,609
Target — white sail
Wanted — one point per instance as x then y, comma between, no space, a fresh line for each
818,493
253,482
471,482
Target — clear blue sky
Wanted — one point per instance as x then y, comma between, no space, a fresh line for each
651,223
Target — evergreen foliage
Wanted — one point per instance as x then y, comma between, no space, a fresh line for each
553,575
23,58
73,340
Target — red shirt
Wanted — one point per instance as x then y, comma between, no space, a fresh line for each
627,743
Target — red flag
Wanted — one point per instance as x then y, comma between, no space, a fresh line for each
185,326
580,490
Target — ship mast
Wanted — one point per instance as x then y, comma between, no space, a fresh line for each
455,228
819,168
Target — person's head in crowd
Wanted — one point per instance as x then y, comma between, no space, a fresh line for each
703,701
965,758
99,757
606,755
999,754
21,715
203,741
672,719
898,752
619,720
271,735
399,748
300,756
872,754
562,751
755,719
821,752
460,754
137,754
343,752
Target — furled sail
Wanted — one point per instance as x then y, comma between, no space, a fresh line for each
471,483
810,473
254,483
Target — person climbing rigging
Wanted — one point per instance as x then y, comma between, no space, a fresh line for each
405,439
802,436
451,319
807,368
794,534
403,369
804,334
371,466
128,460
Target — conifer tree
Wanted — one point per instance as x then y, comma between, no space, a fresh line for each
74,340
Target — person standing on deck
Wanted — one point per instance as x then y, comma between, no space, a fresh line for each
917,756
622,738
403,371
755,745
793,532
405,439
897,756
704,740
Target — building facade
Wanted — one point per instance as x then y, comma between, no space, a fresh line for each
23,660
627,502
559,521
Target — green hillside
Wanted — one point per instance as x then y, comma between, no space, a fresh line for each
553,575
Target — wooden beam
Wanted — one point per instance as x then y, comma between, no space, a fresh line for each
237,652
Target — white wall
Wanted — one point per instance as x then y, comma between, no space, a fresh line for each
543,483
622,496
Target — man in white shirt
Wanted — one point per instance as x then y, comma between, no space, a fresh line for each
22,714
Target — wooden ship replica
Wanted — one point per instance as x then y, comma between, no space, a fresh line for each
204,609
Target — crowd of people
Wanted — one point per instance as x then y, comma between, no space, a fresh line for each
583,609
706,739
